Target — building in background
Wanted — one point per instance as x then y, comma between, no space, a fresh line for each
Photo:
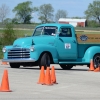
74,22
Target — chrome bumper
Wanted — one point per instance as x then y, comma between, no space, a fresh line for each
19,60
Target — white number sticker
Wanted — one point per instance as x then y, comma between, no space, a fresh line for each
67,46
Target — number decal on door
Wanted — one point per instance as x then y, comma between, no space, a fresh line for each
67,46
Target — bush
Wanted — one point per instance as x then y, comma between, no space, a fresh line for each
8,35
1,53
93,23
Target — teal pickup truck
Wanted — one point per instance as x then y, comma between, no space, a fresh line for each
54,43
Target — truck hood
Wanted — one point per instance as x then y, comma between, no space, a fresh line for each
28,41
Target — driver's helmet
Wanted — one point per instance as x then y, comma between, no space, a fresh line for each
64,31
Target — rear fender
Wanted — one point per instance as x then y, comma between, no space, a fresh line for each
90,52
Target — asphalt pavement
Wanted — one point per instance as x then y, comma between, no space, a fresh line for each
75,84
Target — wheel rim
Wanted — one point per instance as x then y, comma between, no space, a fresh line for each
96,61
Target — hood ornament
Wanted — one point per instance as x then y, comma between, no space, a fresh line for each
33,42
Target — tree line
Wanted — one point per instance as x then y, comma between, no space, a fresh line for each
24,12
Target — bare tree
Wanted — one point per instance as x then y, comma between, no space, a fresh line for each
4,11
60,14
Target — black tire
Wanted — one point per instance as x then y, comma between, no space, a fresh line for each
88,65
14,65
44,61
66,67
96,60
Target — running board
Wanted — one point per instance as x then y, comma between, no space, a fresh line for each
76,63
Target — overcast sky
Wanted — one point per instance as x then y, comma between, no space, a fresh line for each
73,7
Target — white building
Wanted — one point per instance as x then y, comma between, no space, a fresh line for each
74,22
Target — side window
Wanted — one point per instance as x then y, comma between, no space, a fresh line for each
65,32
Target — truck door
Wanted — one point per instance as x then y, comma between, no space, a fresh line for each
66,44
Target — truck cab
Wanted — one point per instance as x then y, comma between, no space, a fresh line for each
52,43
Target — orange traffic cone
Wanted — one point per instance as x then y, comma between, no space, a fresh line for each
53,76
48,77
5,82
42,76
4,63
91,66
97,69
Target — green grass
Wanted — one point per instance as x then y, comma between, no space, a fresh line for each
22,33
29,32
88,28
27,29
1,31
23,26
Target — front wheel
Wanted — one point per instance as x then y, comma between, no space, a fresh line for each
14,65
66,67
44,61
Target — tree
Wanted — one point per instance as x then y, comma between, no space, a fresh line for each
15,21
77,17
4,11
45,12
92,23
24,11
93,10
7,20
60,14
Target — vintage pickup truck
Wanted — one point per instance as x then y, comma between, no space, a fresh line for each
54,43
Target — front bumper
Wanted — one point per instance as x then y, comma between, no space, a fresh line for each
19,60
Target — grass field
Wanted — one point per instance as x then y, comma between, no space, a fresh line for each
20,32
23,29
27,30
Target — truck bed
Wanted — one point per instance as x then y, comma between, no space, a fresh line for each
87,41
88,38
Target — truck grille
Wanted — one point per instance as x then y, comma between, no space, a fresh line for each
18,53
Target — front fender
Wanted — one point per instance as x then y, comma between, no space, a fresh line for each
40,48
90,52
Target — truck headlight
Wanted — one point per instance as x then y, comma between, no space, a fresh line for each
4,49
31,48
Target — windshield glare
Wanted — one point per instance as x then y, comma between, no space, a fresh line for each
47,30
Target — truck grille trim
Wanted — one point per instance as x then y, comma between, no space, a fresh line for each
20,53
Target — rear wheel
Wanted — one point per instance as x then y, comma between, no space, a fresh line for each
44,61
14,65
88,65
96,60
66,67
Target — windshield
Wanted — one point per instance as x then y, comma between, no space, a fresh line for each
45,30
